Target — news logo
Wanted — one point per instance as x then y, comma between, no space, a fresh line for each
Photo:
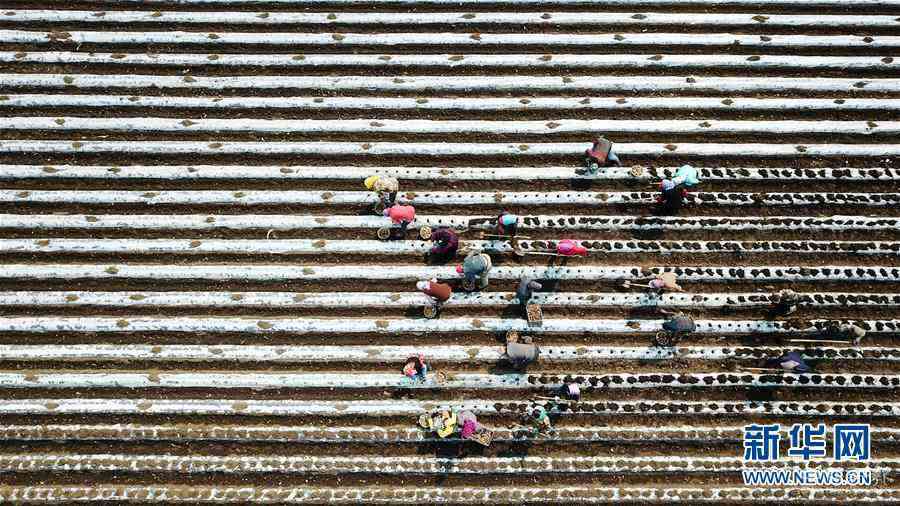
807,442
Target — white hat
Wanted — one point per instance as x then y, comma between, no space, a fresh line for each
422,285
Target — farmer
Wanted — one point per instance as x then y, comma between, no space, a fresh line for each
786,302
416,368
792,362
539,417
664,282
443,422
671,196
570,248
476,266
601,154
849,331
446,242
401,216
507,224
570,391
439,292
681,324
676,327
468,423
386,187
686,175
521,354
525,290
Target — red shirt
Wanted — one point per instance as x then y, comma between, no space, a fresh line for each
400,213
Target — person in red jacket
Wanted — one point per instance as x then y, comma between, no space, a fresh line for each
439,293
401,216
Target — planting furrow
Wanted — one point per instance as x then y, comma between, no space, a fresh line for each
518,3
360,434
481,61
464,84
589,381
412,408
324,300
442,149
45,324
399,354
375,247
343,39
287,222
468,104
421,126
400,465
340,173
263,272
562,18
594,494
373,434
317,197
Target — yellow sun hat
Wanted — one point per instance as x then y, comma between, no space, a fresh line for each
370,182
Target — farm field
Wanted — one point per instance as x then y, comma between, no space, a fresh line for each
195,305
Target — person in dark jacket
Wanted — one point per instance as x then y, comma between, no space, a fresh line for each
526,289
671,197
677,326
792,362
570,391
446,243
786,302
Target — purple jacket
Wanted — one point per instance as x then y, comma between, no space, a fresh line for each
445,241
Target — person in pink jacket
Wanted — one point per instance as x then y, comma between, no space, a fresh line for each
570,248
401,216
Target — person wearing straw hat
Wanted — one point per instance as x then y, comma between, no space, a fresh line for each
386,187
